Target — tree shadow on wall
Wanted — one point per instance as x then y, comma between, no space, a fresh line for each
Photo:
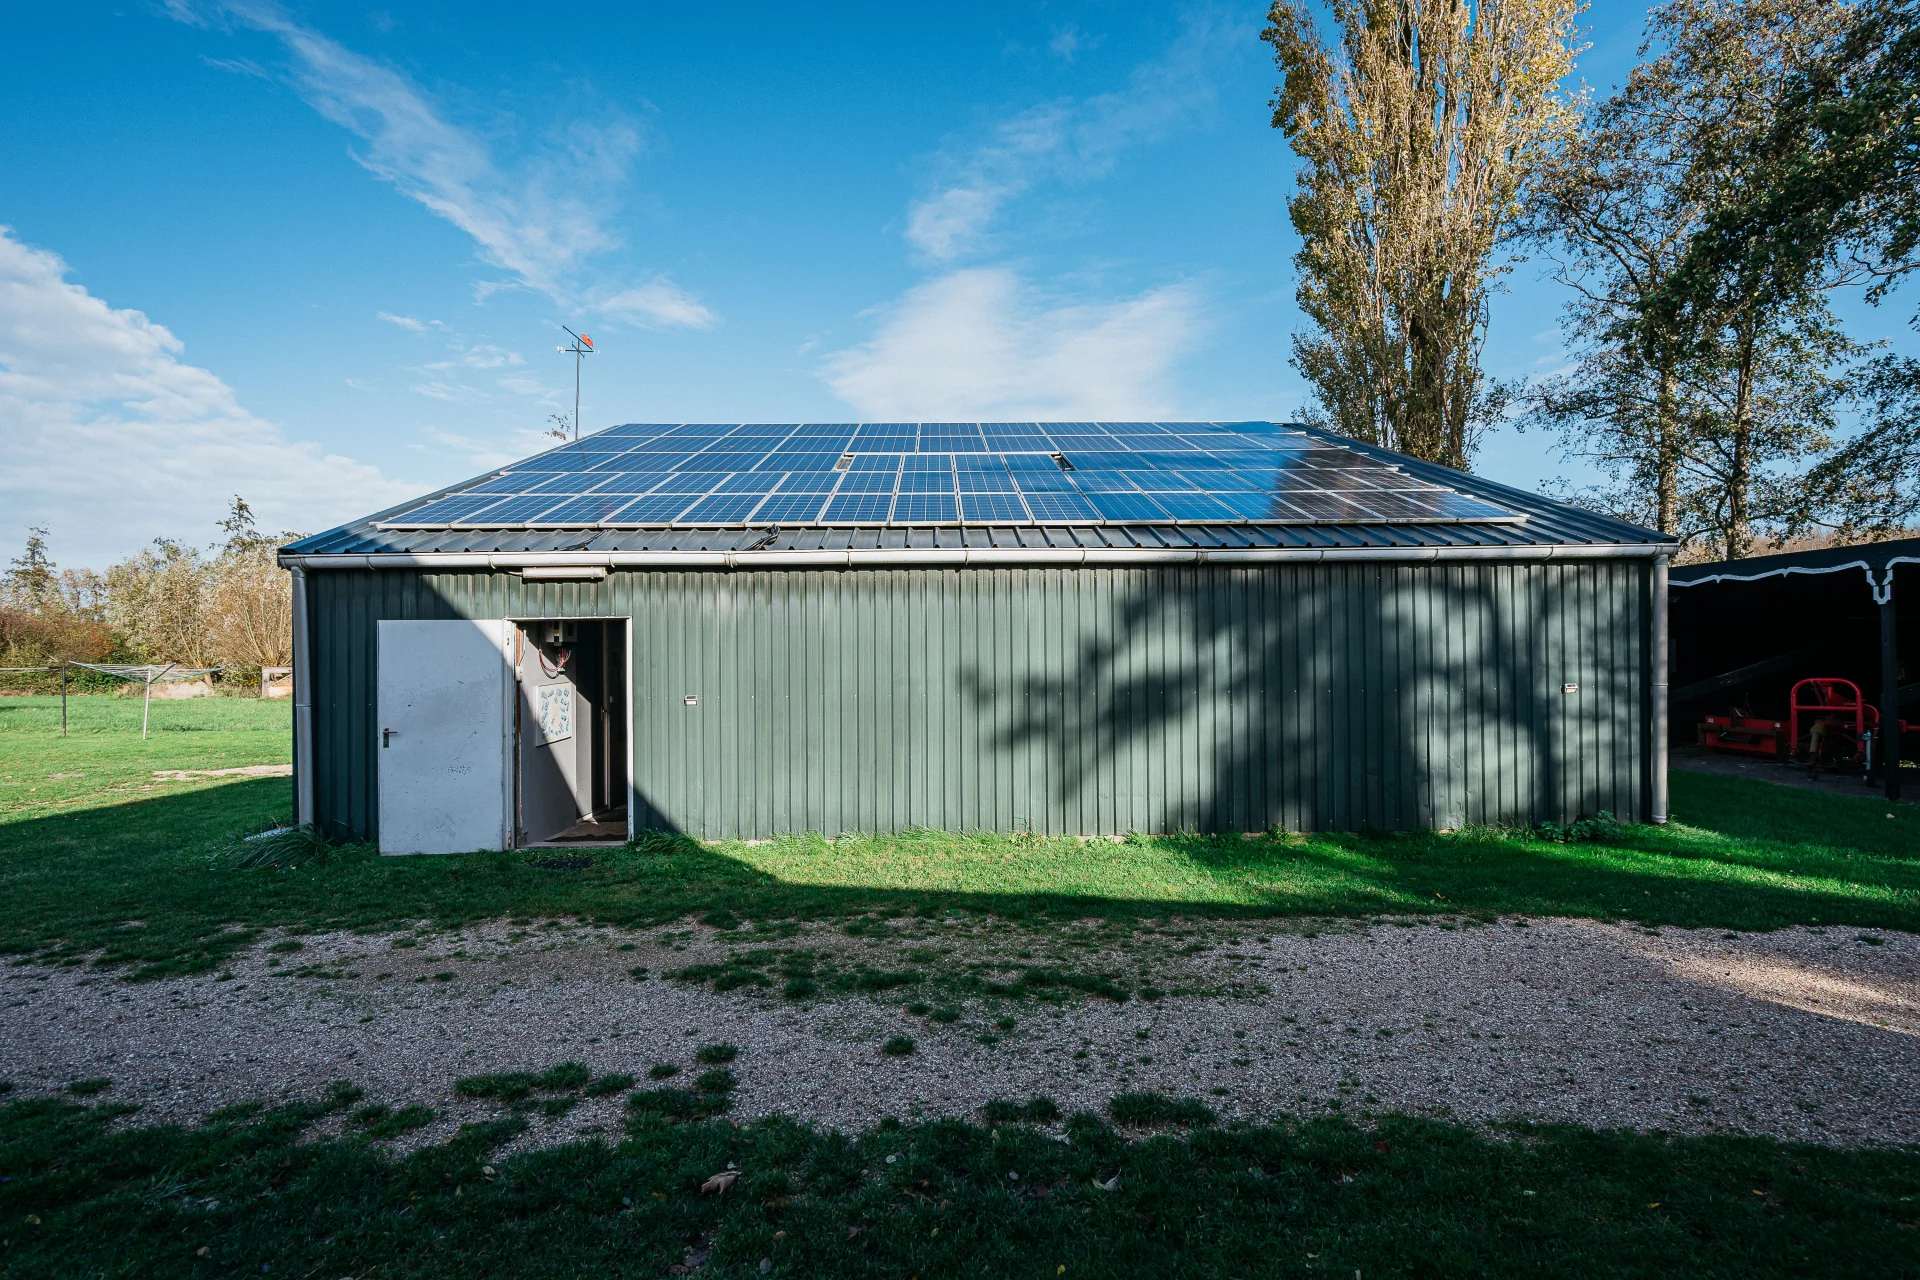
1328,697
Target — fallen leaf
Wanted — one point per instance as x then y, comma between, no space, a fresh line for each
1382,1147
719,1182
1111,1184
1654,1205
779,1235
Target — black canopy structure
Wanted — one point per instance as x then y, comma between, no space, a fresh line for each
1744,630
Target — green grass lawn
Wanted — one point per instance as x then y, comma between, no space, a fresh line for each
256,1194
98,856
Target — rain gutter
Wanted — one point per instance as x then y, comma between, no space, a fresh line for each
546,563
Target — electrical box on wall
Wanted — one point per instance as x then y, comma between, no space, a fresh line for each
555,632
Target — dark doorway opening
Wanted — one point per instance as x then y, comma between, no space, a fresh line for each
571,732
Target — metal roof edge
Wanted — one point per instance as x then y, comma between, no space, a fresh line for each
980,557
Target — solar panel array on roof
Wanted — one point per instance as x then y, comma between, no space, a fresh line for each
947,473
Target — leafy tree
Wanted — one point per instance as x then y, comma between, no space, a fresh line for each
1419,137
30,581
1834,190
1614,211
1703,397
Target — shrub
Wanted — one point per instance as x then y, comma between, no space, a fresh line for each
799,988
715,1054
1601,828
898,1047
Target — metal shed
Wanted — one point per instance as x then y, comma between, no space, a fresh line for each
740,630
1745,630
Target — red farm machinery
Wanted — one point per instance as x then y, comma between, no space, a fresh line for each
1829,724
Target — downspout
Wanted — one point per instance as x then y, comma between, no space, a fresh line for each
1657,808
303,811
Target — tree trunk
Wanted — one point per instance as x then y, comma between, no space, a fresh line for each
1740,475
1667,459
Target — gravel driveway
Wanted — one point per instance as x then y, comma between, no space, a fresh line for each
1804,1033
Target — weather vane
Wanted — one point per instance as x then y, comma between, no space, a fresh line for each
582,347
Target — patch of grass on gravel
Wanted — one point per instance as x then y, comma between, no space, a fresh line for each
608,1085
1149,1110
565,1075
84,1193
1034,1111
716,1053
507,1086
383,1122
107,862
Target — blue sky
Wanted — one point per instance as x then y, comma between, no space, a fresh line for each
318,255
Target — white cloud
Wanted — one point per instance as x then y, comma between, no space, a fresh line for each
979,344
1068,140
405,322
483,455
541,221
1068,41
658,302
113,439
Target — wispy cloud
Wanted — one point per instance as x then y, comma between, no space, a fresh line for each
483,454
979,344
1069,140
113,438
1068,42
984,341
540,221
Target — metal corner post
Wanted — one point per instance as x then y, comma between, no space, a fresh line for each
1888,739
303,812
1657,808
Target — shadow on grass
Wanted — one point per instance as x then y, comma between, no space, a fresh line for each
141,884
82,1195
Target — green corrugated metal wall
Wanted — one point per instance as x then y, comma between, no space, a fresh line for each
1314,696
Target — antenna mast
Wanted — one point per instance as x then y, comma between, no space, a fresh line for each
581,348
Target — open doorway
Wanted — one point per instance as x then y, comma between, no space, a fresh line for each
570,732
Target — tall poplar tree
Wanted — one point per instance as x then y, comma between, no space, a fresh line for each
1419,132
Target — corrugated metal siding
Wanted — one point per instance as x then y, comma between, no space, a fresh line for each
1314,697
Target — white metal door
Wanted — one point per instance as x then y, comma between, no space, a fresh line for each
445,735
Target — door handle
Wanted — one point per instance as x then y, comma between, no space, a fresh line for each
385,736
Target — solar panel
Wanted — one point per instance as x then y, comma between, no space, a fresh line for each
588,510
925,508
992,508
903,473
